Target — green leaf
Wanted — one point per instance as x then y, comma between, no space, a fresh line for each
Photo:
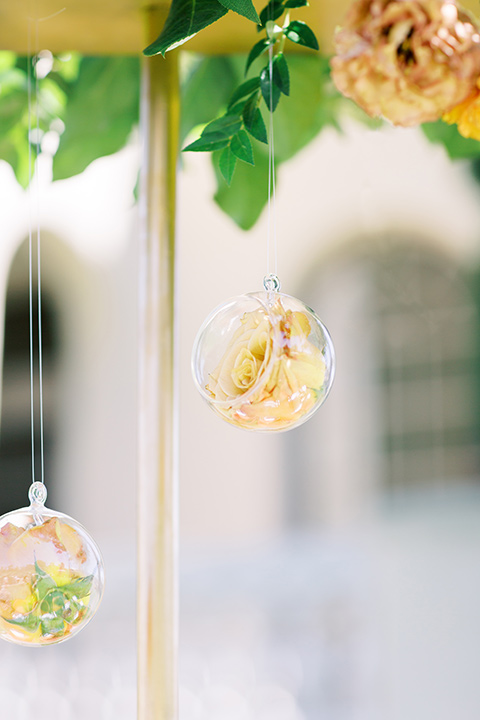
208,142
281,76
79,588
7,60
227,125
53,626
241,147
14,150
9,154
185,19
257,129
253,120
14,120
67,66
299,32
314,103
246,197
246,88
100,114
270,91
455,144
242,7
28,622
44,583
227,163
205,91
249,109
13,107
296,3
51,99
53,603
75,612
12,78
238,108
256,51
13,98
272,11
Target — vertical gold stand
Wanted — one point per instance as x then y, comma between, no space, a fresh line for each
157,478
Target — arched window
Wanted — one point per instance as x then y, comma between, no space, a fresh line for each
402,415
15,433
427,368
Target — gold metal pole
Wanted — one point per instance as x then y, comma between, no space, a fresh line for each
157,479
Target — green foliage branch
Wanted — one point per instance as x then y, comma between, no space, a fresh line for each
187,17
89,103
242,121
92,105
313,105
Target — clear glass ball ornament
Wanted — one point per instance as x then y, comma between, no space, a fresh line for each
264,361
51,574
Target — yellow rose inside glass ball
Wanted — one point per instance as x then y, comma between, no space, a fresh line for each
276,364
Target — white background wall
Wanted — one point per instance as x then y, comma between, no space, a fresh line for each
417,588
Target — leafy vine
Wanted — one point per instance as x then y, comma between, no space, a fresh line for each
243,119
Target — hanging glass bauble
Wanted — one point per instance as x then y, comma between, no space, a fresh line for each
264,361
51,574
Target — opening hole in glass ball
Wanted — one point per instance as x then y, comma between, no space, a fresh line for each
271,283
37,493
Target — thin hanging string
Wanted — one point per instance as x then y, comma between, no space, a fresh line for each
39,266
271,229
30,244
271,281
31,166
269,204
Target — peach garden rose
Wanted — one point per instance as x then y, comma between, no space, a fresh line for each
409,61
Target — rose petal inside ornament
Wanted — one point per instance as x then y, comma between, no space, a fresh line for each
264,361
51,576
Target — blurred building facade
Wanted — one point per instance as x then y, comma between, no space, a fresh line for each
329,572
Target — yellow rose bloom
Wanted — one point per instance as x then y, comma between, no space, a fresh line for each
270,374
467,115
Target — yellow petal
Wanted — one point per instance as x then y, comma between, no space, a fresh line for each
259,340
301,324
59,573
24,605
71,541
308,371
245,370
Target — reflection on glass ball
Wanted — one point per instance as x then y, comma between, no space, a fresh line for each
264,361
51,574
